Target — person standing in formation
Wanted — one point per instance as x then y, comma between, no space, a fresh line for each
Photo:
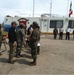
61,33
55,32
68,30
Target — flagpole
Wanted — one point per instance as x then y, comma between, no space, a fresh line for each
33,7
67,8
50,8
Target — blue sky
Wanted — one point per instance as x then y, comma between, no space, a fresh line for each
25,7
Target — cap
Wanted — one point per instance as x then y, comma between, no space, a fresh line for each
35,24
13,23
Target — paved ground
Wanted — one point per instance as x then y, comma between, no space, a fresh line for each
56,58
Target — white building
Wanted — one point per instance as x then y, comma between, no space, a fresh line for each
47,24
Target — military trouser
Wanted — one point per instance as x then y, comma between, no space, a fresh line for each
38,49
55,36
12,51
19,48
34,52
23,42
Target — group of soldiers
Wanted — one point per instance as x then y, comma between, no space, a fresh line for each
68,30
16,38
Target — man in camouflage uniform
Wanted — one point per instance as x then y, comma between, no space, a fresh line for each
33,44
0,38
12,41
38,45
20,34
55,32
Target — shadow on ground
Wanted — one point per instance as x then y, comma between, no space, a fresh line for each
3,60
27,56
23,61
28,52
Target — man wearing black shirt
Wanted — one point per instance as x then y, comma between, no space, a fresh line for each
12,41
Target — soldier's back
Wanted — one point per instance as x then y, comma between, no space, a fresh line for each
19,35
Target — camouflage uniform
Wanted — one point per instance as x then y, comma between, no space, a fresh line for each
34,40
38,46
23,42
20,35
55,32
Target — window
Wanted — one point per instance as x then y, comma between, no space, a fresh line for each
71,23
56,23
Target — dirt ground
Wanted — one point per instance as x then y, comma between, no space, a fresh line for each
56,58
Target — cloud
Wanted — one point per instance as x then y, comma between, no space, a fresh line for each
9,4
25,7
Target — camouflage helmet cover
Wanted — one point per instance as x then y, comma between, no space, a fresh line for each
35,24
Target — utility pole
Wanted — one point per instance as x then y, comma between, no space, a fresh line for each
33,7
50,8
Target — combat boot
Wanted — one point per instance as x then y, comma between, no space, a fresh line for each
38,50
33,63
0,54
38,53
11,62
20,55
17,56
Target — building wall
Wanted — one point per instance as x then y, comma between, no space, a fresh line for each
31,20
44,22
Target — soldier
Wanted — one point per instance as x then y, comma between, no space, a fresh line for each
0,38
55,32
38,45
12,41
33,44
24,34
20,34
